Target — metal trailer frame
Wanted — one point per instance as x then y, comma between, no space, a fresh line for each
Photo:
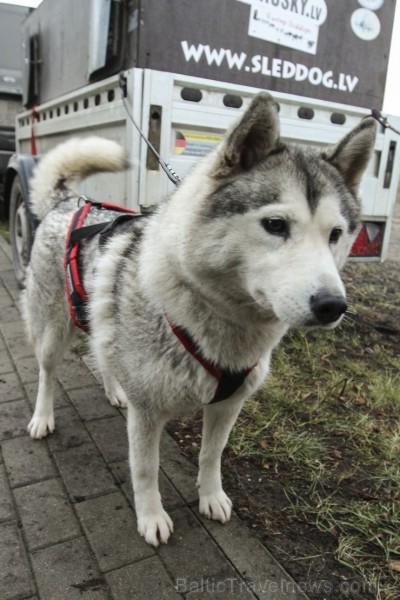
165,103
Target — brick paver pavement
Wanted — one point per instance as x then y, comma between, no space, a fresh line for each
67,524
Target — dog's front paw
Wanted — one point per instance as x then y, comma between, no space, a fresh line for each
156,528
39,427
216,506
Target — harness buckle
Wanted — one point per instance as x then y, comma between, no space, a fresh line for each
82,200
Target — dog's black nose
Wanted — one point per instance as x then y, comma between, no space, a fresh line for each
327,308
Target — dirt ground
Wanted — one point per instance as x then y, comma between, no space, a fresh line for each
260,491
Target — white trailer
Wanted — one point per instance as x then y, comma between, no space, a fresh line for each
183,117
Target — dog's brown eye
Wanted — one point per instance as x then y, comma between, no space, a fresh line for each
335,235
276,226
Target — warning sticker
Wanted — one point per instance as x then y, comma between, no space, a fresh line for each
195,143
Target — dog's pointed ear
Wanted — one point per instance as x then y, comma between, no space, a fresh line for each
251,139
352,154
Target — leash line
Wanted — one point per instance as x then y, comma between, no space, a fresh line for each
383,120
172,176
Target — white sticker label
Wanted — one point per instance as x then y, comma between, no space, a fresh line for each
294,24
195,143
371,4
365,24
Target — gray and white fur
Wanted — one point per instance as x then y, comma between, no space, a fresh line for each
250,244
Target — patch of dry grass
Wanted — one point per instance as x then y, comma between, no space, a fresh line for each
329,416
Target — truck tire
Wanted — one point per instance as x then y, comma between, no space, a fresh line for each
21,233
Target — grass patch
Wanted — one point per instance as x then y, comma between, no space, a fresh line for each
331,409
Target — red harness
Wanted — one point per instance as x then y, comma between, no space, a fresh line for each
228,381
77,296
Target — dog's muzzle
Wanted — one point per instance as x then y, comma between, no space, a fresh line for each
327,308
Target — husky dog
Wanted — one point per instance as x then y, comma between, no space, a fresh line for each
250,244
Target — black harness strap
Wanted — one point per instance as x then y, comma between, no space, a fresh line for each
105,229
84,233
229,383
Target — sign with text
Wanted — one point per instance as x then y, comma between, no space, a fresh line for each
287,23
334,50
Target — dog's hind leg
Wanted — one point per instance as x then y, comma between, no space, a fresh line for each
101,345
144,432
218,420
50,345
113,389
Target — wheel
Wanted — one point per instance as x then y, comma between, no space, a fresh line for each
21,233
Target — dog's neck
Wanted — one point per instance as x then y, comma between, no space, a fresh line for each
230,329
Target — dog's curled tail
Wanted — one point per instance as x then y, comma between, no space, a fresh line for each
61,170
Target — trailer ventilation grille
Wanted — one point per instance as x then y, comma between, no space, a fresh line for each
338,118
305,113
191,94
232,101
